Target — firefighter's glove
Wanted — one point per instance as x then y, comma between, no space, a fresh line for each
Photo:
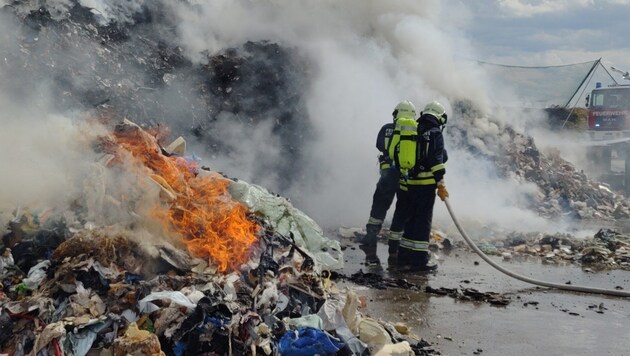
441,190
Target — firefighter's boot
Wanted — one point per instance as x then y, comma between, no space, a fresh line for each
371,258
424,264
421,263
370,237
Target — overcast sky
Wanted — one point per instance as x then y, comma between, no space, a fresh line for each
546,32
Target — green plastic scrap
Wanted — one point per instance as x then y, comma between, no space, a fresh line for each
22,289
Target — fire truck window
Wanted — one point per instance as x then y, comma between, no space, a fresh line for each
613,101
598,100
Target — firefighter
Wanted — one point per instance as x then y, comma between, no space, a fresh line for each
388,182
420,190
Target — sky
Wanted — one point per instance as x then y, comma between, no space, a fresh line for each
366,56
547,32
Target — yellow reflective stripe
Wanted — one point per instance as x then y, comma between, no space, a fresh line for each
427,181
374,221
407,128
395,235
403,184
385,165
422,178
437,167
414,245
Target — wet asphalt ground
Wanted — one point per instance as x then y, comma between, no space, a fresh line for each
537,321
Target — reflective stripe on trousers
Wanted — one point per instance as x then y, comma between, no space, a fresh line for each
375,221
395,235
414,245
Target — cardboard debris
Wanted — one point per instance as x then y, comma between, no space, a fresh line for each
137,342
177,147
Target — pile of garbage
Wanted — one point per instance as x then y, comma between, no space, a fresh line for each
608,249
563,190
70,286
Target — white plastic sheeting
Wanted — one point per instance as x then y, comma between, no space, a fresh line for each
286,219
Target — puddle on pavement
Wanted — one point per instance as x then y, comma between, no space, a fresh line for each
537,321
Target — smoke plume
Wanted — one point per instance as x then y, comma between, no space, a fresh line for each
345,67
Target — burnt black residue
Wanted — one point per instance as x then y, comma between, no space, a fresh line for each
377,281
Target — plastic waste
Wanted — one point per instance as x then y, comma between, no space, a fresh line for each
286,219
311,321
400,349
308,342
368,330
349,311
372,333
36,275
176,297
333,320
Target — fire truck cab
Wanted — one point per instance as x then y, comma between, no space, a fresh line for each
609,113
609,133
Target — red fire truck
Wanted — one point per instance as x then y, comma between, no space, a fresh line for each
609,112
609,131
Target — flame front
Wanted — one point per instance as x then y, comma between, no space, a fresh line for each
203,213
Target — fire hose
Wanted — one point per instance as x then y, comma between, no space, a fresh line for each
574,288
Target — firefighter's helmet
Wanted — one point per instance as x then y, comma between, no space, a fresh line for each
436,109
404,109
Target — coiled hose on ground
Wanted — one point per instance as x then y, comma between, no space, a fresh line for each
613,292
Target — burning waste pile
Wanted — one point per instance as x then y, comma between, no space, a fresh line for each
228,269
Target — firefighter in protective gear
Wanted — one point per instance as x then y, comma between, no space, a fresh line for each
420,190
388,182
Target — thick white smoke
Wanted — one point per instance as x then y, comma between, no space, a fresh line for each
366,56
47,158
369,56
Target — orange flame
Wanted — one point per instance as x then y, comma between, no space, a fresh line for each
211,223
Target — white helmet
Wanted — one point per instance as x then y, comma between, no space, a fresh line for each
435,109
405,109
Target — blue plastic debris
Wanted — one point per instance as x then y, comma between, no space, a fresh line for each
131,278
308,342
180,348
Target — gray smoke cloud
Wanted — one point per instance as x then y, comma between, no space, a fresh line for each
364,57
368,56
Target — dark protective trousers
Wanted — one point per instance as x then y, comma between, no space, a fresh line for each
401,214
384,195
414,245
